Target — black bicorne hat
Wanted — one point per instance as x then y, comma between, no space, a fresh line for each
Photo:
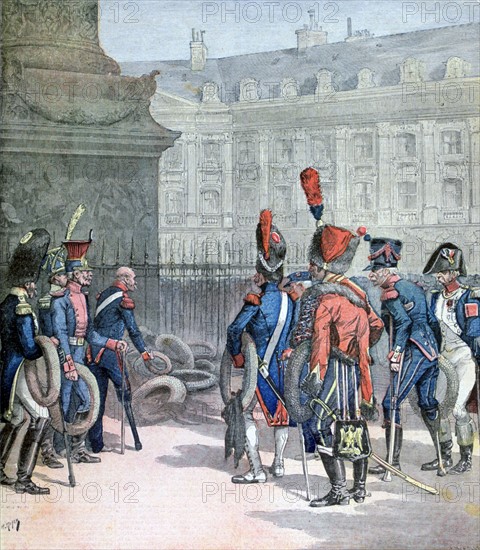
447,257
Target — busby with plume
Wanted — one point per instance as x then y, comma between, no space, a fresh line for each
271,248
25,263
332,248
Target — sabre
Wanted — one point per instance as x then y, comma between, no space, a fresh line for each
263,370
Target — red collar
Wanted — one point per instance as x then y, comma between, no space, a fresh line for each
390,281
120,285
452,287
74,287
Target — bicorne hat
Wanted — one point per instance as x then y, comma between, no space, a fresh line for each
447,257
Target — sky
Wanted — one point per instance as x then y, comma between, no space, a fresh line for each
144,30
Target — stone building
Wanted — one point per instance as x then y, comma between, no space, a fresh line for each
391,123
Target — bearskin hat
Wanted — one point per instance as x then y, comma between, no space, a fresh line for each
271,248
27,258
447,257
331,247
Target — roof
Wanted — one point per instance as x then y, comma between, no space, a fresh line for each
382,55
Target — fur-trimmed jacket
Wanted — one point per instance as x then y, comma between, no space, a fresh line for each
338,319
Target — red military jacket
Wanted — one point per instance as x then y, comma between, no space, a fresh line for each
344,323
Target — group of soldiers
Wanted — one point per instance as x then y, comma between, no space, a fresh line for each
74,342
325,308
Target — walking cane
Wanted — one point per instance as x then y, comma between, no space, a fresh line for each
304,461
121,362
68,451
387,476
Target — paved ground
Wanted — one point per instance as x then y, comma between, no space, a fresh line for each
176,493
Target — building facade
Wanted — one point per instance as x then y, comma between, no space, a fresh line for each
390,123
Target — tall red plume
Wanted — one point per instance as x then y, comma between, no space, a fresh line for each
310,181
266,226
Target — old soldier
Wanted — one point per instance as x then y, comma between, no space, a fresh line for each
267,318
73,328
456,307
17,331
336,315
54,266
114,314
414,349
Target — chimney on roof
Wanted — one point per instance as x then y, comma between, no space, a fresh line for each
198,51
311,35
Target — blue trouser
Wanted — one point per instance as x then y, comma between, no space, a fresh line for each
107,369
417,371
338,396
75,394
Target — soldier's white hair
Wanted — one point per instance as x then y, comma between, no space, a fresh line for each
123,272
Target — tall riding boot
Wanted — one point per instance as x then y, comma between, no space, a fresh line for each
338,494
256,474
281,437
465,434
28,458
79,452
49,457
359,492
433,427
397,449
133,426
7,439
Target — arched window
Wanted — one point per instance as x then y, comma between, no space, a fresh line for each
452,192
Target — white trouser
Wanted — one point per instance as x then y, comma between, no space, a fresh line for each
23,400
461,358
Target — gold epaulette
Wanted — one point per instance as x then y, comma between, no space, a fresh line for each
475,292
23,307
44,302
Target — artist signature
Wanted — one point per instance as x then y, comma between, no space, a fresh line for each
11,525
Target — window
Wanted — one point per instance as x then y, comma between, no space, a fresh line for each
282,198
321,149
283,151
246,152
406,145
363,196
407,195
211,202
453,193
363,146
174,202
452,142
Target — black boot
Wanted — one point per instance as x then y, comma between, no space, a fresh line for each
465,462
79,452
446,450
133,426
359,492
338,494
433,427
28,458
7,439
49,457
397,448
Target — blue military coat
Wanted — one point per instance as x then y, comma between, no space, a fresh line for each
17,333
413,322
259,318
113,315
468,316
